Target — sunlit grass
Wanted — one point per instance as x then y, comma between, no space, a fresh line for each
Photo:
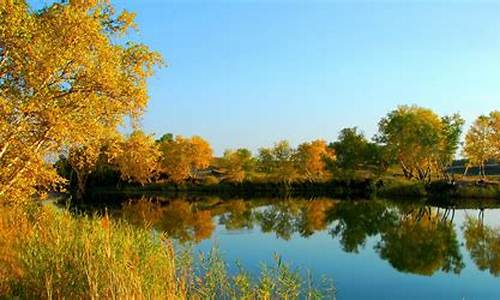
47,253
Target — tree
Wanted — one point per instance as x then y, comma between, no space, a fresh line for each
66,72
482,141
451,132
310,159
350,149
495,124
279,162
167,137
138,159
85,158
83,161
237,164
354,153
423,143
182,157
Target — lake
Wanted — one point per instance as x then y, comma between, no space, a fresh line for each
373,249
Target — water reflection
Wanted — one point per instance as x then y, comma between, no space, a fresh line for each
412,237
179,219
354,222
483,244
421,241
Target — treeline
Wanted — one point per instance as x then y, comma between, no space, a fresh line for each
420,143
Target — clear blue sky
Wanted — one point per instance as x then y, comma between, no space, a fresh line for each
249,73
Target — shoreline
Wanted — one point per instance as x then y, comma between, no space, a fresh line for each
360,189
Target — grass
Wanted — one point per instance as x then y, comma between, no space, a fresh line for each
475,192
51,254
402,188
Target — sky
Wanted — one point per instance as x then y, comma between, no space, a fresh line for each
250,73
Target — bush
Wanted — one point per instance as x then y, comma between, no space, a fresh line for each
211,180
472,192
402,188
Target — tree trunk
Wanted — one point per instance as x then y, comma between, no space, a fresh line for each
81,183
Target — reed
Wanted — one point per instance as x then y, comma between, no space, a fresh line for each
51,254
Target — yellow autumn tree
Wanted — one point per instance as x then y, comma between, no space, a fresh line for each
482,141
495,137
84,158
420,141
311,159
236,164
138,158
183,157
66,72
83,161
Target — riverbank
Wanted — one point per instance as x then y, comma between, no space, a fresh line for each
352,189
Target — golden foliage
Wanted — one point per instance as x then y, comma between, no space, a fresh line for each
84,158
310,159
179,219
422,142
182,157
236,164
63,77
483,244
482,141
138,158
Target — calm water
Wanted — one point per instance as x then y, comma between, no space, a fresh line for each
372,249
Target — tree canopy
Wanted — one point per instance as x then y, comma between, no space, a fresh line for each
311,157
482,141
183,157
138,158
423,143
66,72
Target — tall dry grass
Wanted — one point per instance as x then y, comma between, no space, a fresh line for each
50,254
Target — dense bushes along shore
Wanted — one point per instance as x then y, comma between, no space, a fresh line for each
365,189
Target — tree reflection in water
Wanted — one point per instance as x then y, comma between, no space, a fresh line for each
412,238
354,222
281,218
421,242
239,215
483,244
180,219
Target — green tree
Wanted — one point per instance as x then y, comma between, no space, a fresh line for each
279,162
167,137
354,153
422,143
451,133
